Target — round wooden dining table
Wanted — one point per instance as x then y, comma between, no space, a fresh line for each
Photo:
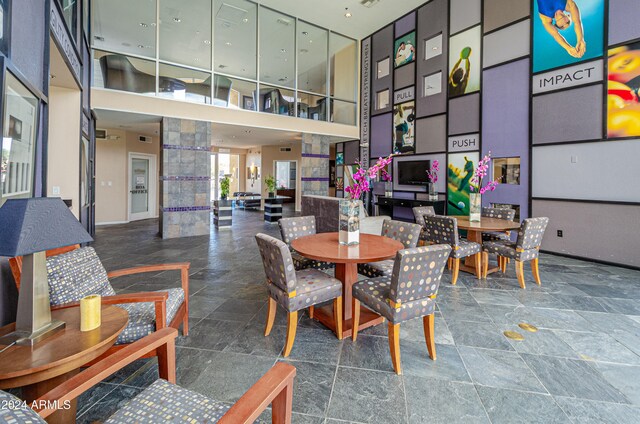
325,247
474,233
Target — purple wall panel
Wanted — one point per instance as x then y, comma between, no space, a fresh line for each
380,142
505,127
623,21
406,24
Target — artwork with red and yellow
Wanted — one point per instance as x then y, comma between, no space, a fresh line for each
623,92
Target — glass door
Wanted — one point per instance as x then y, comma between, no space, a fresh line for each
141,186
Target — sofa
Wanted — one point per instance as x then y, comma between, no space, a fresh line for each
326,211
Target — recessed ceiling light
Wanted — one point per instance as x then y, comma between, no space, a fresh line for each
143,25
245,20
52,76
153,24
310,41
348,14
207,42
177,20
283,50
228,43
305,33
141,46
435,48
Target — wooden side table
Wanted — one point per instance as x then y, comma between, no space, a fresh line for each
54,360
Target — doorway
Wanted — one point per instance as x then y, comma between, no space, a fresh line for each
142,187
224,165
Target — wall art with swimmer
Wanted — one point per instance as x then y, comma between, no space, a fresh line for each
566,32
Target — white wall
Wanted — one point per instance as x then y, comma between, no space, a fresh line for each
112,189
63,165
605,170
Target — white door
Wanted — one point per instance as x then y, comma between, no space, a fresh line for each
142,186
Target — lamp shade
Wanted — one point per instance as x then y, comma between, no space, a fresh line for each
38,224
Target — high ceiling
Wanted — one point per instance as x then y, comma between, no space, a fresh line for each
331,13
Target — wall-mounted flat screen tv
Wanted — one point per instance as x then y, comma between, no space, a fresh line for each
413,172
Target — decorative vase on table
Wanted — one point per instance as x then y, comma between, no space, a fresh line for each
433,194
432,174
477,189
475,207
388,189
349,227
362,178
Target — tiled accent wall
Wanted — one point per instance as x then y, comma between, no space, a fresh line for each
552,116
185,178
315,165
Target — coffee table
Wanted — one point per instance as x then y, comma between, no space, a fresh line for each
325,247
54,360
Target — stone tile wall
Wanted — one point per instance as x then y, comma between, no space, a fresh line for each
185,178
314,170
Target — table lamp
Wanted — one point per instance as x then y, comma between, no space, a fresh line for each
28,228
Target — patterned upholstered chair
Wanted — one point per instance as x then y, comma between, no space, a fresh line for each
293,228
75,272
498,213
295,290
526,248
163,401
405,232
419,212
408,293
444,230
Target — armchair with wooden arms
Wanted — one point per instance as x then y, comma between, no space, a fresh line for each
164,401
75,272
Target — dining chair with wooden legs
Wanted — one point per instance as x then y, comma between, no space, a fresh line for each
525,248
419,212
295,290
409,293
444,230
405,232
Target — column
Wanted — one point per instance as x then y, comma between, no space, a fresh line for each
314,170
185,178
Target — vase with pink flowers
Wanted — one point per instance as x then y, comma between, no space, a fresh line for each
362,182
477,189
432,174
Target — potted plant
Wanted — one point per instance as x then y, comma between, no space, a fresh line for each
349,226
270,182
225,182
477,190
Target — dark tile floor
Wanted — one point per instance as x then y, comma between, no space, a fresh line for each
582,366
